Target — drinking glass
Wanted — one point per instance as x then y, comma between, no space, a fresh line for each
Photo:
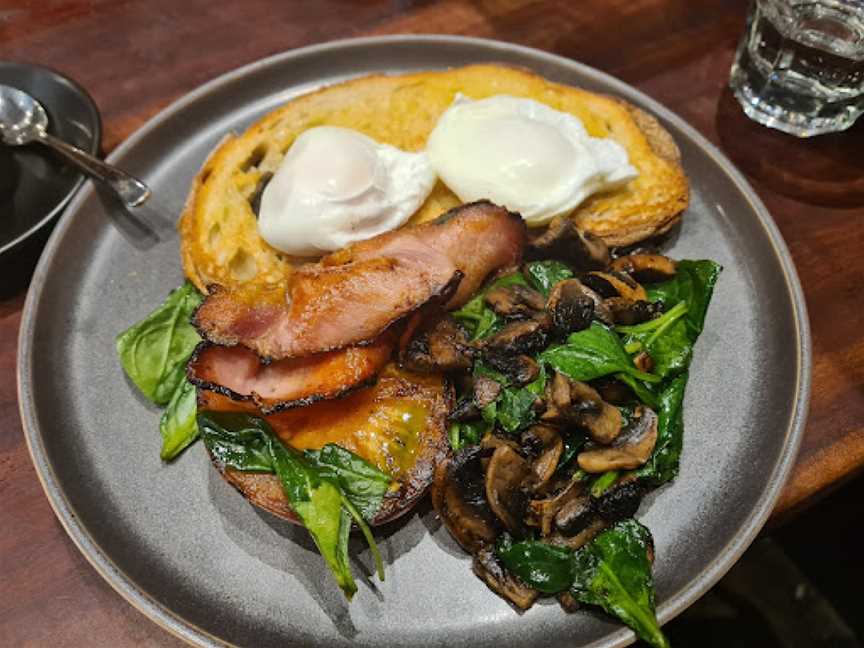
800,65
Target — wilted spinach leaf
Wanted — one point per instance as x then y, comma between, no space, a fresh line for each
591,353
154,351
513,410
662,465
544,567
614,572
480,320
312,484
693,283
363,484
667,340
178,424
236,439
462,433
542,275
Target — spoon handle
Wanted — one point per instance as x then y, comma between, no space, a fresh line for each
132,191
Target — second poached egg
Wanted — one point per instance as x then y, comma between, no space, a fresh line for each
523,155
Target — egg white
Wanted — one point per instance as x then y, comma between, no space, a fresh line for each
523,155
335,187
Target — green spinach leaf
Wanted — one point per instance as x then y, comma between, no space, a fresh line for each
693,283
513,410
154,351
544,567
178,425
662,465
318,503
591,353
363,484
311,483
236,439
462,433
614,572
667,340
542,275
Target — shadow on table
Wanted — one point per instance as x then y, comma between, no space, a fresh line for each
824,170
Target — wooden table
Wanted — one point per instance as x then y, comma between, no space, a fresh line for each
135,56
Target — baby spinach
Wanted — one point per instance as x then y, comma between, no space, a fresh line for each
178,424
363,484
544,567
662,465
667,340
614,572
513,410
154,351
591,353
693,283
325,488
462,433
542,275
476,316
236,439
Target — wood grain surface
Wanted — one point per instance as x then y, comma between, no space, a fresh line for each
136,56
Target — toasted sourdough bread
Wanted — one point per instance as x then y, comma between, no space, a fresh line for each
219,236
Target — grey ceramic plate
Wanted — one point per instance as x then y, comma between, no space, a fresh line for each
188,551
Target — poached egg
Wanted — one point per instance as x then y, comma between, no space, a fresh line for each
335,187
523,155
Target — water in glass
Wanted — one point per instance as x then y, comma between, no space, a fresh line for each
800,65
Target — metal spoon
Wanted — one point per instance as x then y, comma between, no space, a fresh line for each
23,120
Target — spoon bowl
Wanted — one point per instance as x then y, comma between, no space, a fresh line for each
23,120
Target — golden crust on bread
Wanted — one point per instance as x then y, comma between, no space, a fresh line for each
219,236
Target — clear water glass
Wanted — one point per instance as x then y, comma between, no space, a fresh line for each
800,65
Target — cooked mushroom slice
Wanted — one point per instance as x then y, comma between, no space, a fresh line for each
630,450
542,512
465,410
440,345
515,301
621,501
544,445
627,313
575,515
486,390
563,240
582,538
505,476
569,305
601,420
520,369
458,494
645,268
572,306
502,582
644,362
615,284
613,390
523,336
571,401
567,601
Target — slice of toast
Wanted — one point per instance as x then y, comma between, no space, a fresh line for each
219,235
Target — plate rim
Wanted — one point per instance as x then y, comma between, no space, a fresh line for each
678,601
95,144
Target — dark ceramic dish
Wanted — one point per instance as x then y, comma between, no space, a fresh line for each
35,184
182,546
